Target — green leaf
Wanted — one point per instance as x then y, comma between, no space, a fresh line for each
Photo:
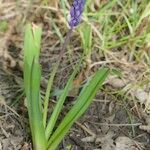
32,76
59,105
146,13
32,42
116,72
86,36
82,103
47,95
3,26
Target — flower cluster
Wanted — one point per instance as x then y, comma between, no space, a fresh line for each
76,12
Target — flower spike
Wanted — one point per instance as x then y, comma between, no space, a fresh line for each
76,12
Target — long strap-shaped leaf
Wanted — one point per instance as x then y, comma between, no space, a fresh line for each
32,75
59,105
82,103
47,94
38,135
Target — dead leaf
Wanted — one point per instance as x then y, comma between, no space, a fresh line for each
53,3
141,95
116,82
25,146
125,143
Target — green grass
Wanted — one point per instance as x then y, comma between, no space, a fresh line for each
121,31
116,27
120,25
3,26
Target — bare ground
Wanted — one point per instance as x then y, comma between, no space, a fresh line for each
115,119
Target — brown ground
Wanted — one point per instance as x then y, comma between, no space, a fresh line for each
113,121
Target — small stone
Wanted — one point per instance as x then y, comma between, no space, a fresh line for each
141,95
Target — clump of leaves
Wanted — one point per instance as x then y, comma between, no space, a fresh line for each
42,128
45,134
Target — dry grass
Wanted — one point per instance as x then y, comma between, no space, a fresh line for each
120,40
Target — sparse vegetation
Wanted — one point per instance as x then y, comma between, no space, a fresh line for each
113,34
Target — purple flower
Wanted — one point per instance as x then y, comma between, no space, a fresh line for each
76,12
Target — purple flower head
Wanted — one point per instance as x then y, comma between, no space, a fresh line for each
76,12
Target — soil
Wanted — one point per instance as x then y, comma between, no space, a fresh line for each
112,122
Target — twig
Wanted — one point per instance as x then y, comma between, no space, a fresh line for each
117,125
86,129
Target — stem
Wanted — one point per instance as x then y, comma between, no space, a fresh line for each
63,47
